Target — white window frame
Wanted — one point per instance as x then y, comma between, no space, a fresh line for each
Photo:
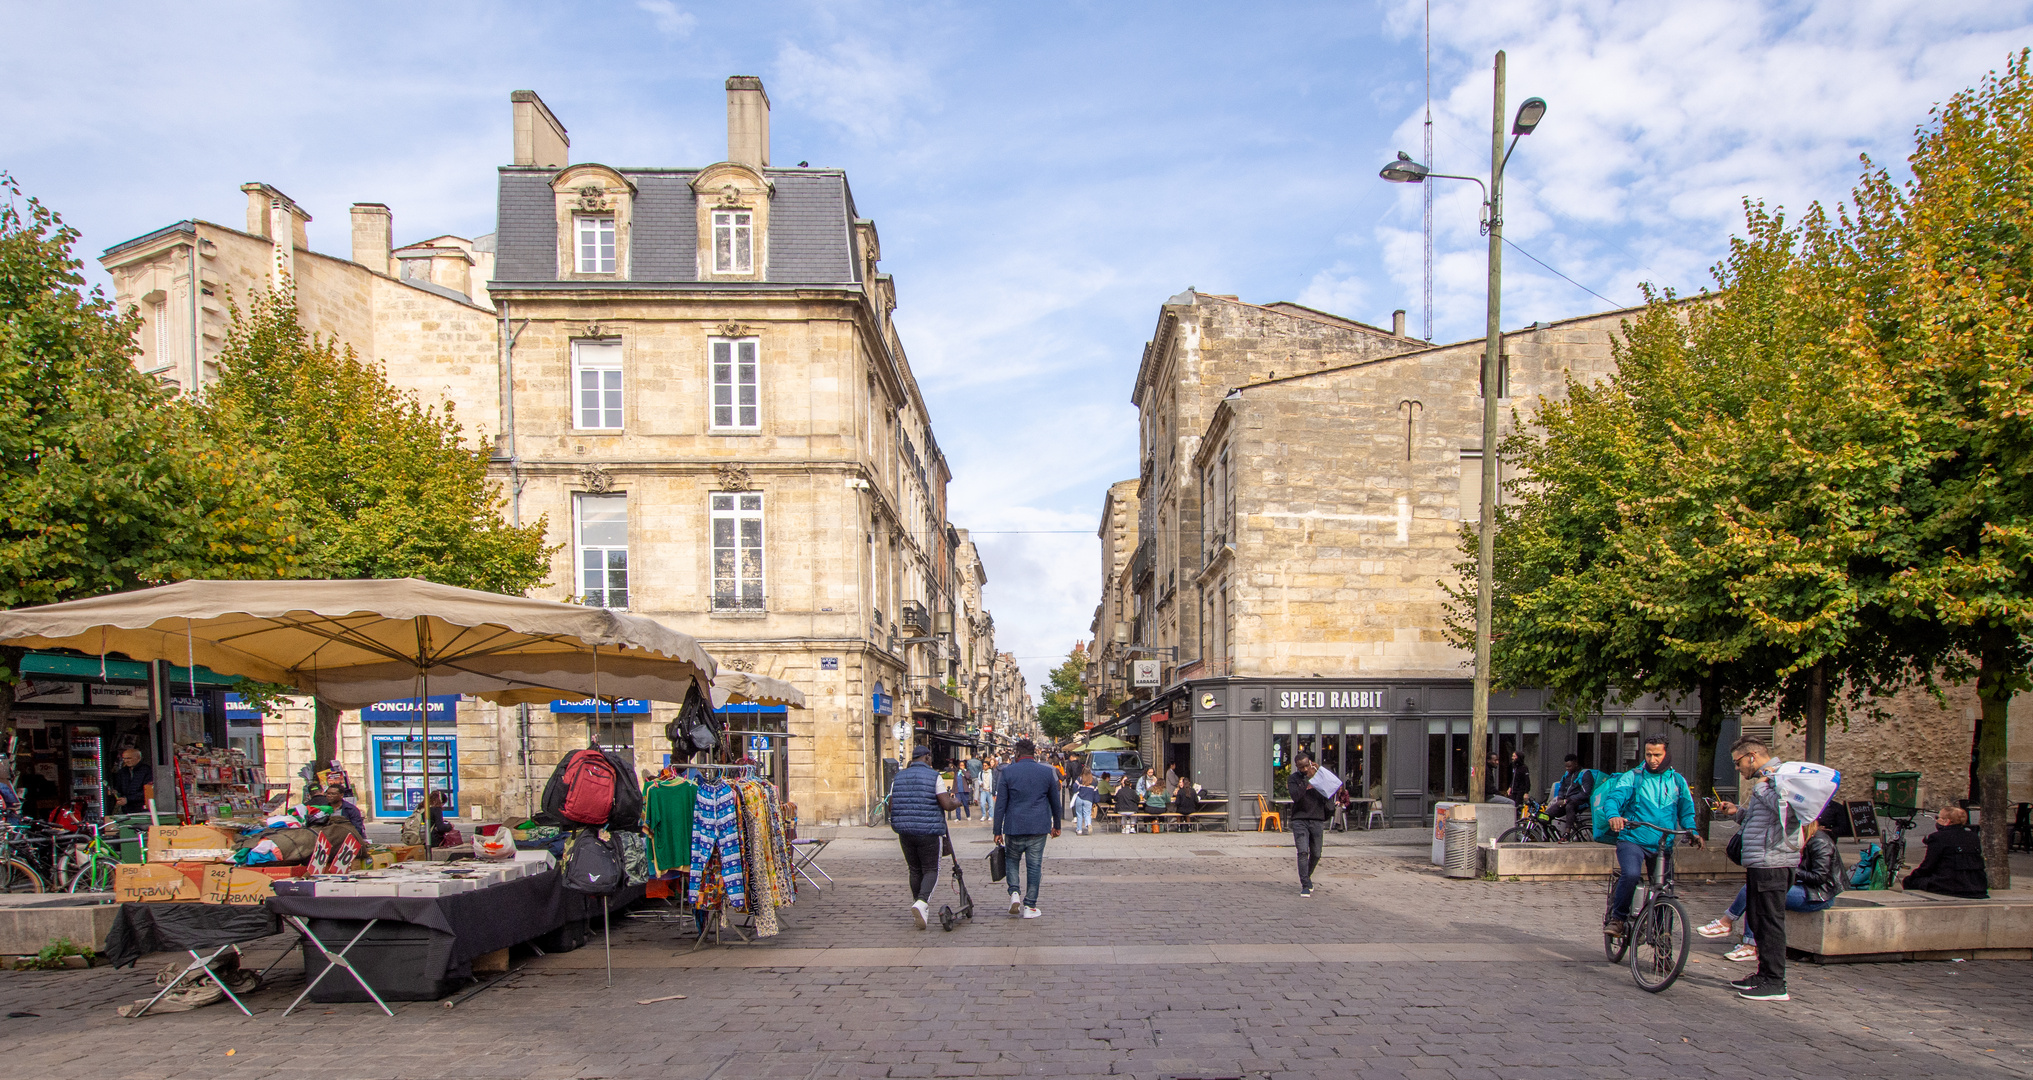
742,369
583,561
736,510
733,241
593,243
607,411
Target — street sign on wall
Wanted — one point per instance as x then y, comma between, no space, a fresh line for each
1144,672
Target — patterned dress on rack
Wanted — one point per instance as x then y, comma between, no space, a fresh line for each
716,839
780,850
754,846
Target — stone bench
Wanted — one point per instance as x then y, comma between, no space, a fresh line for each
1595,862
1891,924
28,921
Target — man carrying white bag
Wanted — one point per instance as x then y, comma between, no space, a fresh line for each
1779,799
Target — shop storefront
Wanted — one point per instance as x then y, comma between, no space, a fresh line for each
1404,745
398,754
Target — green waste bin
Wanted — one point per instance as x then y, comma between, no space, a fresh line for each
1896,794
127,834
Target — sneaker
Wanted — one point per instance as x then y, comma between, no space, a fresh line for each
918,911
1742,954
1307,891
1716,928
1031,913
1745,983
1016,904
1769,991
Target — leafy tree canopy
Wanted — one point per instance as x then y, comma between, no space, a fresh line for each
1060,713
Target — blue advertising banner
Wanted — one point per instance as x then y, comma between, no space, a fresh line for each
625,705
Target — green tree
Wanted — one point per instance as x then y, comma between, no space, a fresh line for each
384,486
1059,715
1955,321
107,482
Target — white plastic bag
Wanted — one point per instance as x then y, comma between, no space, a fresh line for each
497,842
1325,782
1805,787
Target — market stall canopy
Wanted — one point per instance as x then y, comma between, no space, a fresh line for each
742,688
353,643
1107,742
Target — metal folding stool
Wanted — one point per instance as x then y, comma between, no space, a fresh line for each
333,961
808,860
203,964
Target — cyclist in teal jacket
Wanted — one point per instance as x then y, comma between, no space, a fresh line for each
1640,805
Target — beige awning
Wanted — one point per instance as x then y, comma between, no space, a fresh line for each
352,643
742,688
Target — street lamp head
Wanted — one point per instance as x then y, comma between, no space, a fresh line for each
1529,115
1404,170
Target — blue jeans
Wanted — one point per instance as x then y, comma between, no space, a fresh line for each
1796,900
1083,815
1029,850
1630,871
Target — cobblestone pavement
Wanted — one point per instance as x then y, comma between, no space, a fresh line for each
1188,956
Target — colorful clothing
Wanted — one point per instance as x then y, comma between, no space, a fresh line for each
716,842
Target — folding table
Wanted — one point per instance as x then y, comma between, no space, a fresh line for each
808,859
333,962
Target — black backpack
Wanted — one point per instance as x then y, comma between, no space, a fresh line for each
592,864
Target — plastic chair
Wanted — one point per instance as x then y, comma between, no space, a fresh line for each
1376,819
1268,820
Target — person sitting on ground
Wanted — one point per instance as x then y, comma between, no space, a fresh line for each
1815,886
1954,863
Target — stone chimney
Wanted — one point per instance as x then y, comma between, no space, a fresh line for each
539,138
373,236
266,207
747,122
1397,321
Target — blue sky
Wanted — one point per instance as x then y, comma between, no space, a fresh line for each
1043,175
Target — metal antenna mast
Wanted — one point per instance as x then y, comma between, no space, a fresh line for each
1427,194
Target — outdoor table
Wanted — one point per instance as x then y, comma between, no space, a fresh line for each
143,928
462,926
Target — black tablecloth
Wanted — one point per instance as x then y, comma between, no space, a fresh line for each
469,924
140,929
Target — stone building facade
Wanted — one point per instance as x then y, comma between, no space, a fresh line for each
691,376
1108,673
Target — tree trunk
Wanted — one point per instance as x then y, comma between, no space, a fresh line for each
324,735
1707,733
1817,713
1997,679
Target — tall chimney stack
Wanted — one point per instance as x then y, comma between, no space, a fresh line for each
373,236
539,138
747,122
1398,323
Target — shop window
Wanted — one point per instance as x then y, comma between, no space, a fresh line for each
601,537
736,520
737,390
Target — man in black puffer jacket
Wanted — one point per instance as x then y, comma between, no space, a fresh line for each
920,824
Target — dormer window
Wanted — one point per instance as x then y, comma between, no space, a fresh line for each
596,244
733,242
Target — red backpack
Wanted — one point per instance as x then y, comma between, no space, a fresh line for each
582,789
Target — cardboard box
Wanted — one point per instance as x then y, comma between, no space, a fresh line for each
229,884
158,883
191,843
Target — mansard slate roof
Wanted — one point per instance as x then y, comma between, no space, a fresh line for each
811,241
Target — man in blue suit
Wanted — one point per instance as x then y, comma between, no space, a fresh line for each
1027,809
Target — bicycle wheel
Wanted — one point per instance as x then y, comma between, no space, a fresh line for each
1516,834
1614,945
96,876
19,877
1659,945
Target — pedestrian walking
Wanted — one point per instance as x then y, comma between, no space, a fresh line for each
963,789
919,823
986,787
1027,809
1085,796
1310,811
1771,850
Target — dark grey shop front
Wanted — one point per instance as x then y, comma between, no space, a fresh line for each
1403,744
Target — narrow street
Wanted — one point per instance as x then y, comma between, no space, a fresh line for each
1157,956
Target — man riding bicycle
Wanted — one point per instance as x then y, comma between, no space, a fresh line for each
1642,805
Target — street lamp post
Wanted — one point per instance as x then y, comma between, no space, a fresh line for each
1406,171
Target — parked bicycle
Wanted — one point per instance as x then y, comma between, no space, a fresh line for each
19,871
85,861
1537,825
1656,938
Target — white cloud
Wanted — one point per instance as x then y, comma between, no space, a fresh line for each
668,17
865,88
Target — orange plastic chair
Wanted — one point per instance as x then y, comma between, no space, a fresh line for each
1267,818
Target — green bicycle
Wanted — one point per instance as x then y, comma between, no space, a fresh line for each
85,862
